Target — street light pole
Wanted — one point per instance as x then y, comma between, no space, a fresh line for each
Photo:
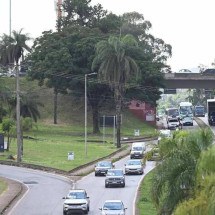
10,18
85,107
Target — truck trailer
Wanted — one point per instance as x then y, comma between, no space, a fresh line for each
211,111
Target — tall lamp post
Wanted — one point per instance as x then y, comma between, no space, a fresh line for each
10,18
85,105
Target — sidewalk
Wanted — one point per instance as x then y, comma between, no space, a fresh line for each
11,194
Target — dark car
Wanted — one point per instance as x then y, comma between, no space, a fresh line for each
102,167
211,118
115,177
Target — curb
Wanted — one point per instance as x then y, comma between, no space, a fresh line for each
14,190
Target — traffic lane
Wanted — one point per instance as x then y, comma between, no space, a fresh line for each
186,127
95,187
189,127
45,191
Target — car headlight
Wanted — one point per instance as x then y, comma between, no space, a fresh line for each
65,205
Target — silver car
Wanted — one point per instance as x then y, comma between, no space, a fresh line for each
113,207
76,201
102,167
134,167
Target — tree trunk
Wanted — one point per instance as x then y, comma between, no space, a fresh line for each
118,116
8,141
55,106
95,113
18,121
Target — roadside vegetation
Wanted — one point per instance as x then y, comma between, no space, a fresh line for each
183,181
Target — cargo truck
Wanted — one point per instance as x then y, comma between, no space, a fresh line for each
211,111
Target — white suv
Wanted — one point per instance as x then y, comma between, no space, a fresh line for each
76,201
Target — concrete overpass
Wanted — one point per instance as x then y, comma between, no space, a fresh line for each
189,80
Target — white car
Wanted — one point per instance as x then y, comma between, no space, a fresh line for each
164,133
76,201
173,123
113,207
134,167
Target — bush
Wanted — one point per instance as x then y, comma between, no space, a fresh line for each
27,124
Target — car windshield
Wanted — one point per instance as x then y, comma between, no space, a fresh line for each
76,195
104,164
115,173
137,148
134,162
173,120
113,206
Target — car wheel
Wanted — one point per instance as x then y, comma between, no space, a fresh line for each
96,174
106,186
88,208
123,185
64,213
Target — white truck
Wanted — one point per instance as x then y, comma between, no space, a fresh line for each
137,150
211,111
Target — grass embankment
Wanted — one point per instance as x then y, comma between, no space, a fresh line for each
145,205
49,144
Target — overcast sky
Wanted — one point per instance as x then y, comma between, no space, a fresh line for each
187,25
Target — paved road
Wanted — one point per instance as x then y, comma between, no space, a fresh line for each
45,191
97,192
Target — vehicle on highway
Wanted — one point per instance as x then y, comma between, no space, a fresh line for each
76,201
115,177
102,167
186,113
172,112
199,111
211,111
134,167
164,133
113,207
137,150
173,123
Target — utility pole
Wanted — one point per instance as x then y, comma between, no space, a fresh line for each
18,123
10,18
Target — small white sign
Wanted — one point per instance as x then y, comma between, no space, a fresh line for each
136,132
71,155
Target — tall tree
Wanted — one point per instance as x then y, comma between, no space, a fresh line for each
49,62
12,54
115,68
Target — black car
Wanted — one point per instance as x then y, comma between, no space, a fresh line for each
102,167
115,177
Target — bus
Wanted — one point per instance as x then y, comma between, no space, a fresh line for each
171,113
186,113
199,111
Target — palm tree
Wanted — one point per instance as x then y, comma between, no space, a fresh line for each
174,180
116,67
13,52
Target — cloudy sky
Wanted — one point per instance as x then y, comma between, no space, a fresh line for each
187,25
